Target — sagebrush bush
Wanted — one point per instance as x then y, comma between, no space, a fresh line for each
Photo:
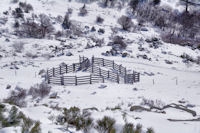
150,130
39,90
83,11
125,22
17,98
18,47
128,128
105,125
80,120
119,40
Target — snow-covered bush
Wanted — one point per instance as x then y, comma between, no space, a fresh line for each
125,22
30,28
39,90
83,11
18,47
16,118
17,98
106,125
80,120
99,19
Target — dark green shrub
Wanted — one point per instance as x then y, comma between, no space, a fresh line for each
150,130
105,125
128,128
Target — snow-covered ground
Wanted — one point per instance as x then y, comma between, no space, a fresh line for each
169,83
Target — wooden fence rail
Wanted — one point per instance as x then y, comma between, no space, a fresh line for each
116,73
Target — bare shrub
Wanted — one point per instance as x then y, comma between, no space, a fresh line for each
29,28
17,98
70,10
83,11
125,22
46,26
153,103
18,46
39,90
67,22
99,19
120,41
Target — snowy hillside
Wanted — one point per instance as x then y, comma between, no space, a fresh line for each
166,99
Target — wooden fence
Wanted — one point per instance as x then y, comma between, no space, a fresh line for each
116,73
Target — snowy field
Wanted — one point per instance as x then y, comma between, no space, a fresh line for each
160,81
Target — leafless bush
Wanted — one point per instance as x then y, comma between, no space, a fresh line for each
18,46
70,10
67,22
125,22
17,98
83,11
39,90
152,103
119,40
29,28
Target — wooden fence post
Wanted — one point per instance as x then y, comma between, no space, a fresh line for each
76,81
62,80
118,78
53,72
92,59
120,67
125,76
74,66
103,62
113,65
60,70
103,79
90,78
108,74
66,68
92,68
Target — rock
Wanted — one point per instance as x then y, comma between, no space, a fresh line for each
69,54
135,89
190,105
139,109
93,93
53,95
164,52
102,86
18,88
144,29
124,54
8,86
7,40
168,62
